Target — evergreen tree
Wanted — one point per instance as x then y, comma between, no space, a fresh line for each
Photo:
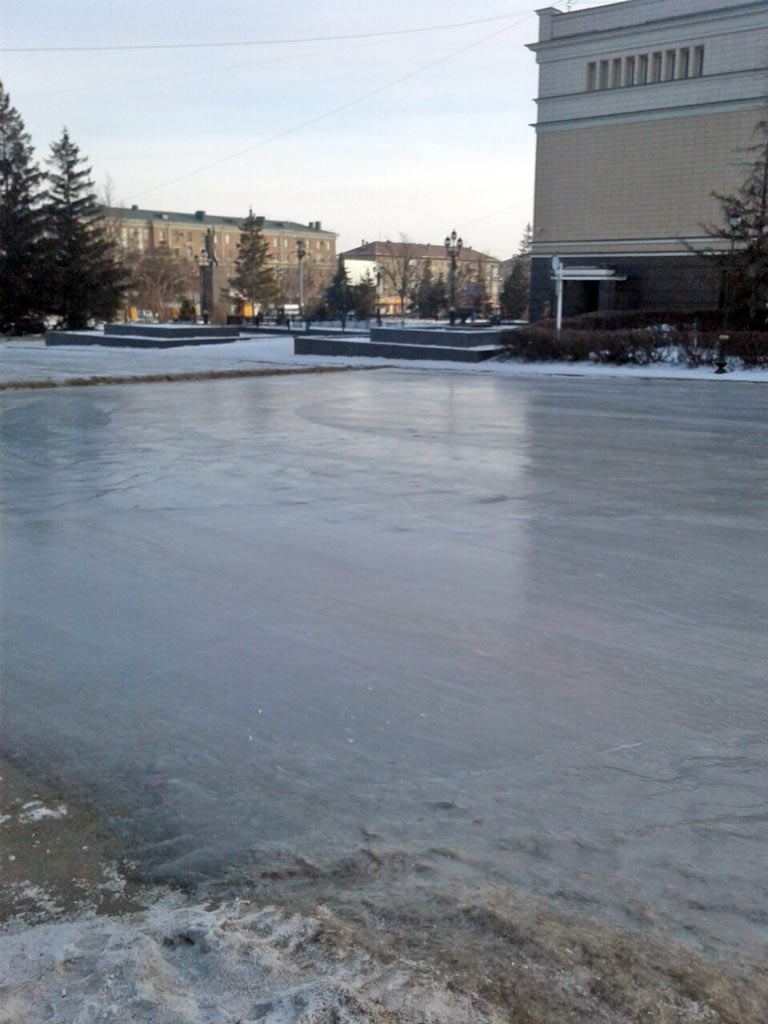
364,297
337,294
20,224
513,298
430,296
745,216
254,274
86,276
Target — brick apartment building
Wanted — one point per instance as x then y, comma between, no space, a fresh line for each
191,236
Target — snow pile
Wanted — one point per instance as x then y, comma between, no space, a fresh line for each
35,810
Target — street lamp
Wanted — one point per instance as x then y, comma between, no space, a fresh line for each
734,222
301,252
452,249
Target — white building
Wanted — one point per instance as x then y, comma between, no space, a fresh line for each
645,108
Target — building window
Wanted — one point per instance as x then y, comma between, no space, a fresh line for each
698,61
161,236
669,65
616,73
591,76
656,67
684,63
629,71
226,239
642,69
603,74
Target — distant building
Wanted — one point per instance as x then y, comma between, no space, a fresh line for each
477,274
645,108
196,236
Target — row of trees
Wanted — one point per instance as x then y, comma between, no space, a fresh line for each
55,255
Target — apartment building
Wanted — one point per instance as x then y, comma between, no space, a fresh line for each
477,274
198,236
645,108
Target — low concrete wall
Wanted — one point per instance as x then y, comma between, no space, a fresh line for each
172,330
308,345
452,337
131,341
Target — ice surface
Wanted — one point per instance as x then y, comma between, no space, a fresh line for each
512,624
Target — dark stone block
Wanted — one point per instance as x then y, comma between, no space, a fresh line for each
173,331
129,341
447,337
304,345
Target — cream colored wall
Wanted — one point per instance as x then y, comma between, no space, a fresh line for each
649,179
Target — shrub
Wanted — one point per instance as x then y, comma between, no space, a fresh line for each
616,319
750,347
636,341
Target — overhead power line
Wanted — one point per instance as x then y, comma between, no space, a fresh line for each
329,113
252,42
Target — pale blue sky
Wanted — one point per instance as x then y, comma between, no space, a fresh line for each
376,137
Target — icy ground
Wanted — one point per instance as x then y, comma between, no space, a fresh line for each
457,666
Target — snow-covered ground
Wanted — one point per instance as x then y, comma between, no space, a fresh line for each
30,360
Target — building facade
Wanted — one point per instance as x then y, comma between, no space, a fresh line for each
205,239
397,268
645,109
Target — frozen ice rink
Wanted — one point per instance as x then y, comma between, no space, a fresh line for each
513,624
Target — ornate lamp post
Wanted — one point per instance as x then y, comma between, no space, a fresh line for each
301,252
453,246
733,223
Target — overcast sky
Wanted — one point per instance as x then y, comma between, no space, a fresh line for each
400,133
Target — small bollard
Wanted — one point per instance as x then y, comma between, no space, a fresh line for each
720,360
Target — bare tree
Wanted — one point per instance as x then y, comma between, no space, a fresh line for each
401,268
161,280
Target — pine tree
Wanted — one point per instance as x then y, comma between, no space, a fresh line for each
86,277
337,294
20,224
363,296
254,274
745,216
513,298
